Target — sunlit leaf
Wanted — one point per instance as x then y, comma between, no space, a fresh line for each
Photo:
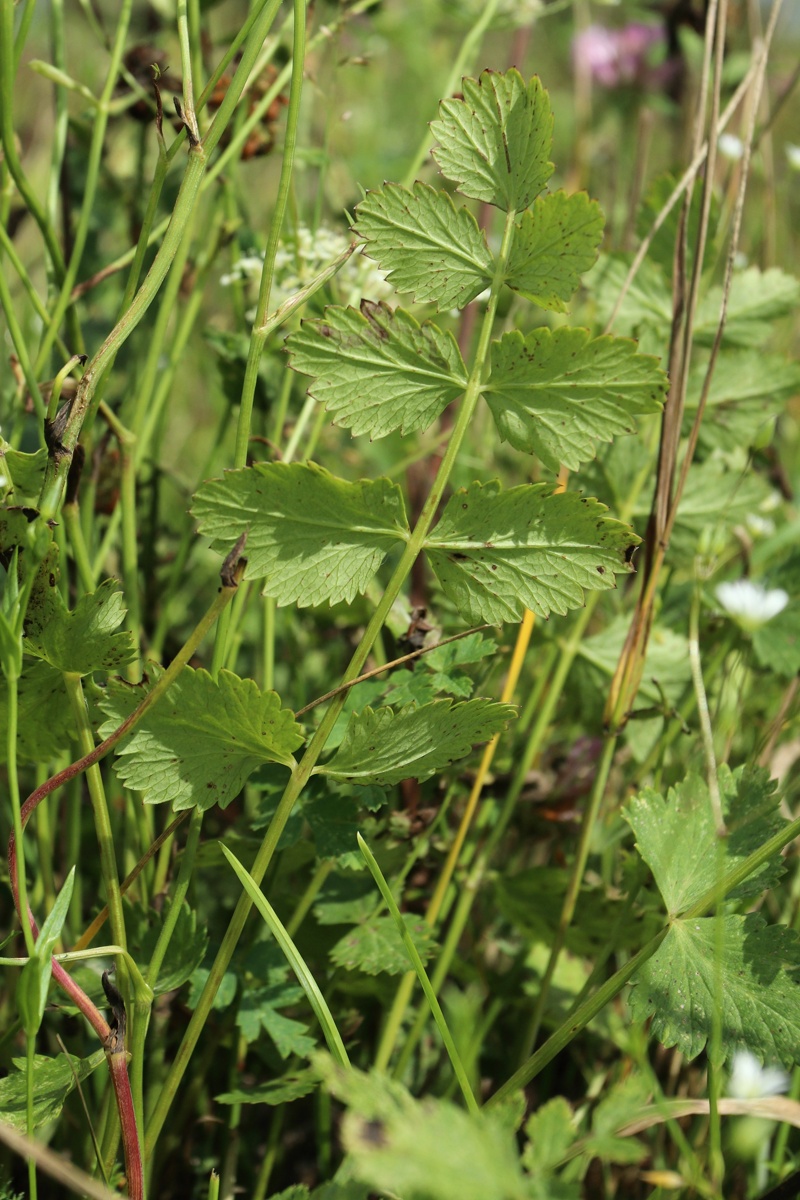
376,948
53,1080
428,246
497,553
310,536
555,242
378,370
556,393
385,747
199,744
495,142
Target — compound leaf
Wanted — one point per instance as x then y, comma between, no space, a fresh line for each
556,393
292,1086
200,743
427,245
85,639
311,536
743,979
495,143
378,370
385,747
555,242
377,949
497,553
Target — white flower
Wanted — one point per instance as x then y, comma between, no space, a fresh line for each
793,156
758,526
749,603
730,146
749,1079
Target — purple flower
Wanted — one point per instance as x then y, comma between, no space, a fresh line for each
614,57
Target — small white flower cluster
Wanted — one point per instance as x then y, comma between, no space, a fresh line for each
303,256
750,604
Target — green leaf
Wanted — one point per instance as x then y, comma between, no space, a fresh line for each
425,244
187,949
292,1086
748,391
21,474
714,496
345,899
757,1001
378,370
496,142
662,247
385,747
757,299
53,1080
85,639
551,1130
198,746
424,1149
375,947
258,1010
677,837
777,642
334,823
44,720
226,992
310,536
497,553
554,243
38,970
556,393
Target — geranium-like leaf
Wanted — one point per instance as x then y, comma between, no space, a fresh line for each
85,639
554,243
53,1080
310,536
497,553
428,246
292,1086
556,393
748,390
757,299
378,370
21,474
385,747
678,840
691,981
44,717
199,744
377,949
495,143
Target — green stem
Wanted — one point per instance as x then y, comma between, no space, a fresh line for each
30,1054
573,889
303,771
12,700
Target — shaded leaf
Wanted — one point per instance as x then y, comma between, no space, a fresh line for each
21,474
85,639
426,245
376,948
385,747
53,1080
556,393
757,299
555,242
334,823
44,724
378,370
292,1086
199,744
497,553
758,1001
311,536
748,390
258,1010
495,143
777,642
186,950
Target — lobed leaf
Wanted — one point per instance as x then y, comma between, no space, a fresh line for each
85,639
497,553
495,143
692,981
311,536
385,747
555,241
757,299
378,370
748,390
44,719
426,245
198,746
292,1086
678,840
556,393
375,946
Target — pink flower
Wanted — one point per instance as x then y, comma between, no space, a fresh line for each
614,57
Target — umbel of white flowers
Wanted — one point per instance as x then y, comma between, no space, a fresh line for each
751,604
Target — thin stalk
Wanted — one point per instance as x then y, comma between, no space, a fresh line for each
12,701
702,709
302,772
573,889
